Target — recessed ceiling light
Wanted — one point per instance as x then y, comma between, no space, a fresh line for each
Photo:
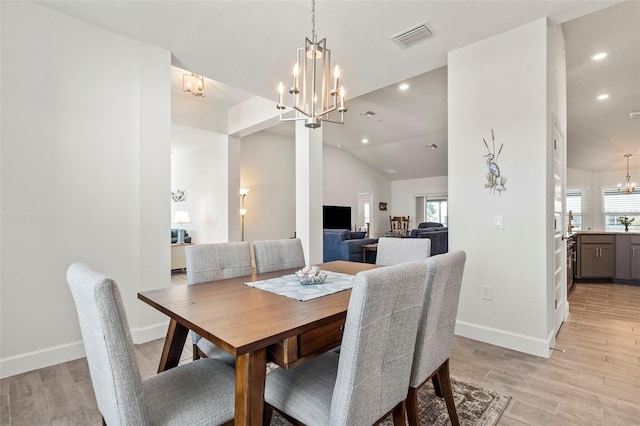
634,114
365,140
403,86
390,171
339,146
603,97
599,56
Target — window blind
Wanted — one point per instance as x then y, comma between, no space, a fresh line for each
574,200
621,203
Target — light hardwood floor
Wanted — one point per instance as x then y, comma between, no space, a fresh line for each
593,378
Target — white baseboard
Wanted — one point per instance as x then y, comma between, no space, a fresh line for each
147,334
41,358
505,339
17,364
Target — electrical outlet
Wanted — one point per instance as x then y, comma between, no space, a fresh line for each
487,292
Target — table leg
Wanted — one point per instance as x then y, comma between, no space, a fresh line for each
173,344
251,370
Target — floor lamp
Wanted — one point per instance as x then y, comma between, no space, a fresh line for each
243,211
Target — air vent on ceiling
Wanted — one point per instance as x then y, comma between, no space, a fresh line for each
412,35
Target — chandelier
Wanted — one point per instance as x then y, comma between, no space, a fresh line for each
629,187
193,83
313,95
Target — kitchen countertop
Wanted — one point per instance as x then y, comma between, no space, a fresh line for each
606,232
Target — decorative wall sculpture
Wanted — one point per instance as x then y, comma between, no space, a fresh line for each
495,180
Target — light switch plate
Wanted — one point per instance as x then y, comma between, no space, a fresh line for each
498,221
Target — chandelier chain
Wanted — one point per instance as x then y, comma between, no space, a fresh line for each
313,20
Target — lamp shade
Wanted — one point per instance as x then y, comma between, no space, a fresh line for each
181,217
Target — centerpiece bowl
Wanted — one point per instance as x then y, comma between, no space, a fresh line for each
311,275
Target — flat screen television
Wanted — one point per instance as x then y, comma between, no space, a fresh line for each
336,217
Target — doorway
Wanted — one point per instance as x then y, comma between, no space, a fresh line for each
363,220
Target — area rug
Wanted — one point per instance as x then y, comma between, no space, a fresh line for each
476,406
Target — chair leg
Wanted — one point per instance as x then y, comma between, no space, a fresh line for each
399,418
412,407
196,352
266,415
445,385
436,385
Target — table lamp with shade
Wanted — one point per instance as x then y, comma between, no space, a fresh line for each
181,217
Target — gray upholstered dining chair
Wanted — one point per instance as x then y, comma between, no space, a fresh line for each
201,392
276,255
435,332
212,262
392,251
365,381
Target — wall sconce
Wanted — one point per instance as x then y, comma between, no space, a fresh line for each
181,217
243,211
193,83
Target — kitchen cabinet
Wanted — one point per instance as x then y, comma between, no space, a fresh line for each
628,257
635,260
597,256
571,261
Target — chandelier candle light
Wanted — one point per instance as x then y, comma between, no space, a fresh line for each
629,187
313,95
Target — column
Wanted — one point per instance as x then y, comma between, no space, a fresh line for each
309,191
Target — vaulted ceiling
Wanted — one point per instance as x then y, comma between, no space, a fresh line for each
251,46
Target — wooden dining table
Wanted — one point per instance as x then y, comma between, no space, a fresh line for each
254,325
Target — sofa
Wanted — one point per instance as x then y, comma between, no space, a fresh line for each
342,244
174,237
437,233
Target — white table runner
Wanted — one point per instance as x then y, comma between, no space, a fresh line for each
289,286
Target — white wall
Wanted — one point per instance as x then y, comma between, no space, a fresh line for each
501,83
404,192
268,163
268,168
592,185
345,177
85,177
202,172
194,111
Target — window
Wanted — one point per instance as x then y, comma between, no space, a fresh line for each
436,211
574,204
618,204
432,208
